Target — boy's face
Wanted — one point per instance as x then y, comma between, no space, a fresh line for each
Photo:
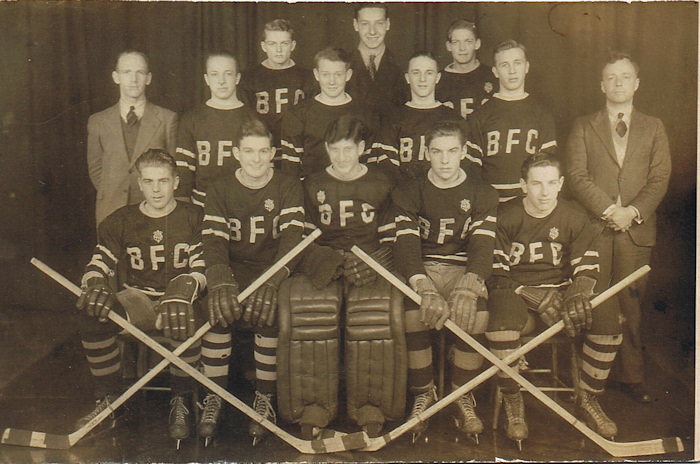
278,45
158,184
511,67
222,77
445,155
463,46
422,76
132,75
345,155
332,77
542,187
255,154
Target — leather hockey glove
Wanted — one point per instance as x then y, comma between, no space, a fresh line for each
321,265
549,304
433,307
177,313
97,298
577,302
359,273
261,306
469,288
223,303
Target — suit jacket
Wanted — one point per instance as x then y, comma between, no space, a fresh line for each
111,170
596,178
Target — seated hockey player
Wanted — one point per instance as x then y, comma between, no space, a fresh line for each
251,220
349,202
544,252
445,228
160,241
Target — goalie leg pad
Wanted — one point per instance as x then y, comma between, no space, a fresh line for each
375,353
308,351
140,309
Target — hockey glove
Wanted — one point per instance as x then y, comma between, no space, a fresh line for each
261,306
548,302
433,307
223,302
177,313
469,288
321,265
359,273
577,302
97,298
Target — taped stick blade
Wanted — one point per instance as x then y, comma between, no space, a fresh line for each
34,439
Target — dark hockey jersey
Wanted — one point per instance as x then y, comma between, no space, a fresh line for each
253,227
356,212
545,251
304,129
400,149
205,148
155,249
466,92
452,225
502,134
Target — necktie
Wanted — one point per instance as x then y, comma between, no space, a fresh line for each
372,68
131,117
621,127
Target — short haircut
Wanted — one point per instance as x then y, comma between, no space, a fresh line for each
362,6
615,56
156,157
252,128
426,54
132,52
332,53
539,160
461,24
445,129
281,25
221,53
507,45
346,127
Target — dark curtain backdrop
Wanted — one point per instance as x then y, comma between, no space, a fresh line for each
56,59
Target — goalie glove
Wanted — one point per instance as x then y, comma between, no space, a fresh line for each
469,288
223,303
433,307
549,304
359,273
577,302
261,306
177,313
321,265
97,298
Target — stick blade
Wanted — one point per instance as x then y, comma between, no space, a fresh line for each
34,439
672,445
341,442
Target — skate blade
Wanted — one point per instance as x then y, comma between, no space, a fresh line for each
520,445
416,436
177,444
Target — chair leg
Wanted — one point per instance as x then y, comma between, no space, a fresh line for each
498,400
441,364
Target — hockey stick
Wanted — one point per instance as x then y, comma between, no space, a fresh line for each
642,448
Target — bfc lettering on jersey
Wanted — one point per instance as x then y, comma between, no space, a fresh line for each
224,150
154,257
512,138
257,227
535,252
439,230
281,98
466,106
406,149
349,212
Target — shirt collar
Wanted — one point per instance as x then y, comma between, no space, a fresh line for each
626,111
366,52
139,108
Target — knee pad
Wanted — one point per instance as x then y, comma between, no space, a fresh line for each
375,353
308,351
507,311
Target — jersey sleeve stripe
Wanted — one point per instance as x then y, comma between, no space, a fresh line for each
505,186
217,233
586,267
407,232
550,144
402,218
98,263
185,152
290,158
294,209
310,225
505,267
107,252
209,217
387,239
591,253
386,227
500,253
475,147
472,159
388,148
488,233
284,143
294,223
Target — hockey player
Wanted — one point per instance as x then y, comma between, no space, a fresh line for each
466,84
304,126
445,228
160,240
350,203
206,132
544,253
278,82
401,150
511,125
252,219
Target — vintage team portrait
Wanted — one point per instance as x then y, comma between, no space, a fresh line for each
348,232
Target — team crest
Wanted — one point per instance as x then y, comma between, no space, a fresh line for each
553,233
488,87
321,196
269,205
465,205
158,236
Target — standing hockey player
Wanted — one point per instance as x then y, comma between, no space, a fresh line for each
304,126
401,150
510,126
160,240
277,83
350,203
445,228
544,251
205,139
466,84
252,219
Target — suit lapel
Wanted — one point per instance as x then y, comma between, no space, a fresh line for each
601,125
115,132
638,131
149,125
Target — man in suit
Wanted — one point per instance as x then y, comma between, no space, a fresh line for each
119,134
618,164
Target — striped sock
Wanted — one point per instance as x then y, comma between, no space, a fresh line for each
597,357
180,381
466,361
216,354
103,356
420,354
502,343
265,353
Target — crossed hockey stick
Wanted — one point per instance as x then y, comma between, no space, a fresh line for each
640,448
338,442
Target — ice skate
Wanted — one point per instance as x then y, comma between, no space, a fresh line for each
465,417
422,402
100,405
179,419
263,406
516,428
594,416
208,422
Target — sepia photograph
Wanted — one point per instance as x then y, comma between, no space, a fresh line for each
348,232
